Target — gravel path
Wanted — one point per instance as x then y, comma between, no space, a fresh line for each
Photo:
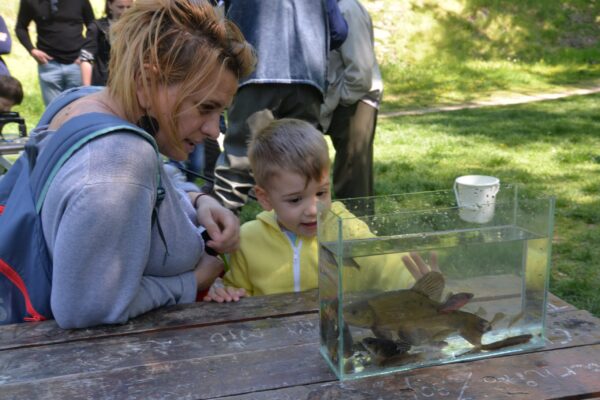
515,98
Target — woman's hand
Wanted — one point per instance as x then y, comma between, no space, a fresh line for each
222,225
207,271
417,267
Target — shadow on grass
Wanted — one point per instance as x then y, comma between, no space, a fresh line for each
568,121
490,46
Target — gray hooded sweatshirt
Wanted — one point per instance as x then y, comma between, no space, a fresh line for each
110,263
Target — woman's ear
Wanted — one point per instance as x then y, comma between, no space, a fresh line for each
142,98
263,198
143,83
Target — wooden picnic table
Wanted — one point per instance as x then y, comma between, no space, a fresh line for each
268,348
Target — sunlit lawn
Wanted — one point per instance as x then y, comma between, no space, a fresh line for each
552,147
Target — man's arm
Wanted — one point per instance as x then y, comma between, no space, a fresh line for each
88,53
88,13
24,18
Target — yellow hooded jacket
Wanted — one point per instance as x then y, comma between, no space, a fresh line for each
267,262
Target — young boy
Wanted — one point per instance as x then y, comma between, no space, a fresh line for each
11,93
279,249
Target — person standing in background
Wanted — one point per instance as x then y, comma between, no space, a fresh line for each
349,112
292,39
96,49
59,25
5,45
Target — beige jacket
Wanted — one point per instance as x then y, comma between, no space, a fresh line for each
353,74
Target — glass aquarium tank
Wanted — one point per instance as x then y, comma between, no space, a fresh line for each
478,289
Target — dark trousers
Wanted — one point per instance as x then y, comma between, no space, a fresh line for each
352,131
233,179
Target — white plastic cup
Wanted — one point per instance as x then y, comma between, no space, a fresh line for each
476,197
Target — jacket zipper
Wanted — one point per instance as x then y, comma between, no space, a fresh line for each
296,264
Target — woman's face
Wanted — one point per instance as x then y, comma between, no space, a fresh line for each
199,115
118,7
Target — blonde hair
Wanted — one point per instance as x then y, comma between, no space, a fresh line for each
286,144
166,42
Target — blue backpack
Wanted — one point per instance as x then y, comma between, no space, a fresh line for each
25,264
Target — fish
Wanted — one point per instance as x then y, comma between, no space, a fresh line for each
385,348
386,352
391,312
433,329
509,341
415,316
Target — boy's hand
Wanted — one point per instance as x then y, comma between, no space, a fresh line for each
220,293
418,267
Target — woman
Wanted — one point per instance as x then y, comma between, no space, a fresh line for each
96,50
174,67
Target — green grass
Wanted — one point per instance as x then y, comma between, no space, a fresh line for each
552,147
435,52
439,52
23,67
444,51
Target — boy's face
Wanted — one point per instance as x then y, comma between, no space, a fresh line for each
294,202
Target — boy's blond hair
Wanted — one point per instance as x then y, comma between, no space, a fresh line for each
287,144
167,42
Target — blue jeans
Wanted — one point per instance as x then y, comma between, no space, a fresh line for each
56,78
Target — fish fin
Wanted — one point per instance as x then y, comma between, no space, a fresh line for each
327,255
351,262
330,258
515,319
404,337
498,317
381,333
455,302
481,312
431,285
473,334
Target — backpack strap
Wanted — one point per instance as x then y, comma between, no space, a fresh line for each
71,136
74,134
